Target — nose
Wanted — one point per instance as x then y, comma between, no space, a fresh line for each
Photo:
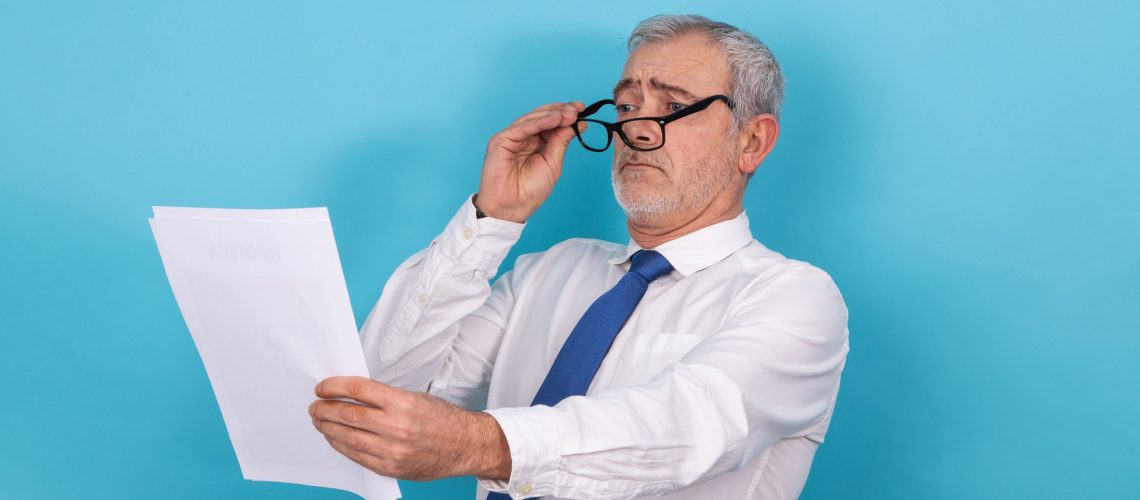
643,133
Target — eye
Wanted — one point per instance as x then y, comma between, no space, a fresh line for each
624,108
676,106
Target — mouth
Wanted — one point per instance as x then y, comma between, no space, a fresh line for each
638,165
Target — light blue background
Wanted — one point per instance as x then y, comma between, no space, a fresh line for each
966,171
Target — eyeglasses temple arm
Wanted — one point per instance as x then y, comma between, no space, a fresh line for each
593,108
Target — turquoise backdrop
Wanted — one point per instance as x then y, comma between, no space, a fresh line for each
966,171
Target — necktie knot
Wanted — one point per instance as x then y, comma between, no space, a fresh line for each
650,265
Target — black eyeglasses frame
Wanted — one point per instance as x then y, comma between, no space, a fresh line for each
659,120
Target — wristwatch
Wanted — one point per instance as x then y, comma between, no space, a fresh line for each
478,213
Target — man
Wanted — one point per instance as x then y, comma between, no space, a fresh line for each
692,362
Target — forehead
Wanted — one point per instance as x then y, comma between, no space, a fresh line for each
690,61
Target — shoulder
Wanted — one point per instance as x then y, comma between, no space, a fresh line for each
765,267
777,285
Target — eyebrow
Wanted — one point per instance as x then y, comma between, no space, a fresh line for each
626,83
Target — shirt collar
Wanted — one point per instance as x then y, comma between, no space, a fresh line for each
701,248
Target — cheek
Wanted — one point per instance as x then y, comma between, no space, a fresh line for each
687,150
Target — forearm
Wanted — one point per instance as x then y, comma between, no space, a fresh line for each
408,434
490,457
684,425
409,333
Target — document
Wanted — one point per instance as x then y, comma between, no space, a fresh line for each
264,298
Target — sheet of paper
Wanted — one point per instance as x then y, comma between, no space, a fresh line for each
264,297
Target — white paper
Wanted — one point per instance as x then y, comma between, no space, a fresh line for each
264,297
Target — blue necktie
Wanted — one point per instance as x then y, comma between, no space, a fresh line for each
588,343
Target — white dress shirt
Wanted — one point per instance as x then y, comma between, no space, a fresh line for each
721,385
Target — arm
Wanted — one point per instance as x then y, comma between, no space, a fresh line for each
410,335
437,325
405,434
770,372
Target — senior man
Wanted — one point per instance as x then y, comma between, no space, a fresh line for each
692,362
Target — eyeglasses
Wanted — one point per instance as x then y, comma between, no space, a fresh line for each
640,134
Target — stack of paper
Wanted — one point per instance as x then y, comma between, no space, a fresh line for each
264,297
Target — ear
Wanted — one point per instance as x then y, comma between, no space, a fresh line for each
757,138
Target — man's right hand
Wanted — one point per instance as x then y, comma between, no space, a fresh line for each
524,161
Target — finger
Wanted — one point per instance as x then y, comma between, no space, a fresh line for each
535,126
553,141
566,107
543,120
372,463
352,437
558,138
362,389
350,414
536,112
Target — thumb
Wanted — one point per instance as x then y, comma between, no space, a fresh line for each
559,141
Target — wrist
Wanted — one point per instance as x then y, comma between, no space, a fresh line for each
491,454
488,208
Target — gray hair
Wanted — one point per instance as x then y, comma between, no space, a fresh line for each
757,83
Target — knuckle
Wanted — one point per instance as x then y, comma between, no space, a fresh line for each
392,468
379,468
400,401
354,440
356,387
403,431
400,453
350,413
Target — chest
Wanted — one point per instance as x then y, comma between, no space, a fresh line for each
675,314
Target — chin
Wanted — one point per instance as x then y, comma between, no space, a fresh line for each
645,206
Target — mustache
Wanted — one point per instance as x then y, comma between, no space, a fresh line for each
627,156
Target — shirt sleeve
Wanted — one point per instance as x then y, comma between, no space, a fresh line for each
411,338
770,372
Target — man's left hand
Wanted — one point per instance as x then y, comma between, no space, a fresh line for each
408,435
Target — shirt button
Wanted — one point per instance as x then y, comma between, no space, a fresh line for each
467,233
423,298
525,489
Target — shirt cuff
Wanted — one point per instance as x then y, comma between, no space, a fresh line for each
495,238
536,458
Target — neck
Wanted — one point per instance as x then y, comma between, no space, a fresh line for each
651,233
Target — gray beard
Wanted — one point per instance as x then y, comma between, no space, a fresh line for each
710,177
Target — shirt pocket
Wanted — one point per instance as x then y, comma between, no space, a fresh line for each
650,353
